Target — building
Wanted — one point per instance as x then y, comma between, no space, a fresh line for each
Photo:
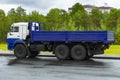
89,8
104,9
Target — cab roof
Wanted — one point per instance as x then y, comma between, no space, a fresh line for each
20,24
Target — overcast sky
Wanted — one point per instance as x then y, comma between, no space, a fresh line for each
43,6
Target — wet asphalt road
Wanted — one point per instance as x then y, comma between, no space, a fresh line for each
49,68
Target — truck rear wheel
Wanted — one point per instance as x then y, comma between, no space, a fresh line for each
20,51
78,52
62,52
33,54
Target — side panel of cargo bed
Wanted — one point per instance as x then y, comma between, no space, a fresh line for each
88,36
72,36
48,36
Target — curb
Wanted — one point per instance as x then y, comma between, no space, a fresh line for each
105,57
6,54
95,57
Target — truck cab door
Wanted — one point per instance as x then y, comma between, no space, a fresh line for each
14,32
24,32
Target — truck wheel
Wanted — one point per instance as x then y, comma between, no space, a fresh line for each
33,54
78,52
20,51
62,52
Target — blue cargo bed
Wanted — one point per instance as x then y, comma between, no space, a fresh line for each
72,36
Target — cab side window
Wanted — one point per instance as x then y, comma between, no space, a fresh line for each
15,29
37,28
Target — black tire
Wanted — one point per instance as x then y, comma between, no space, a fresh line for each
33,54
62,52
20,51
78,52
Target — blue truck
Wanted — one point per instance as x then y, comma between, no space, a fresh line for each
27,39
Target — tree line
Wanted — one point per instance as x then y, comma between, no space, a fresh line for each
60,19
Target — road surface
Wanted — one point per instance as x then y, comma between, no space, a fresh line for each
49,68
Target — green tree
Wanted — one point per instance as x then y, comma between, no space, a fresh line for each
12,16
80,17
18,15
96,16
53,19
57,19
71,25
104,20
82,20
36,17
112,20
116,29
2,26
75,8
64,20
21,13
85,21
77,19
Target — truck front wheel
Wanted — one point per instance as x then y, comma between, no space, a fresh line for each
78,52
20,51
62,52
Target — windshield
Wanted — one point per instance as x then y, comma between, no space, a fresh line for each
14,29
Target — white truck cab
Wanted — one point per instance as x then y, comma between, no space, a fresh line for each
18,31
19,39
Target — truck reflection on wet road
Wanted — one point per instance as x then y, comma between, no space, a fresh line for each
49,68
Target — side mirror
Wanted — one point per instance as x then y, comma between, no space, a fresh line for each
10,33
